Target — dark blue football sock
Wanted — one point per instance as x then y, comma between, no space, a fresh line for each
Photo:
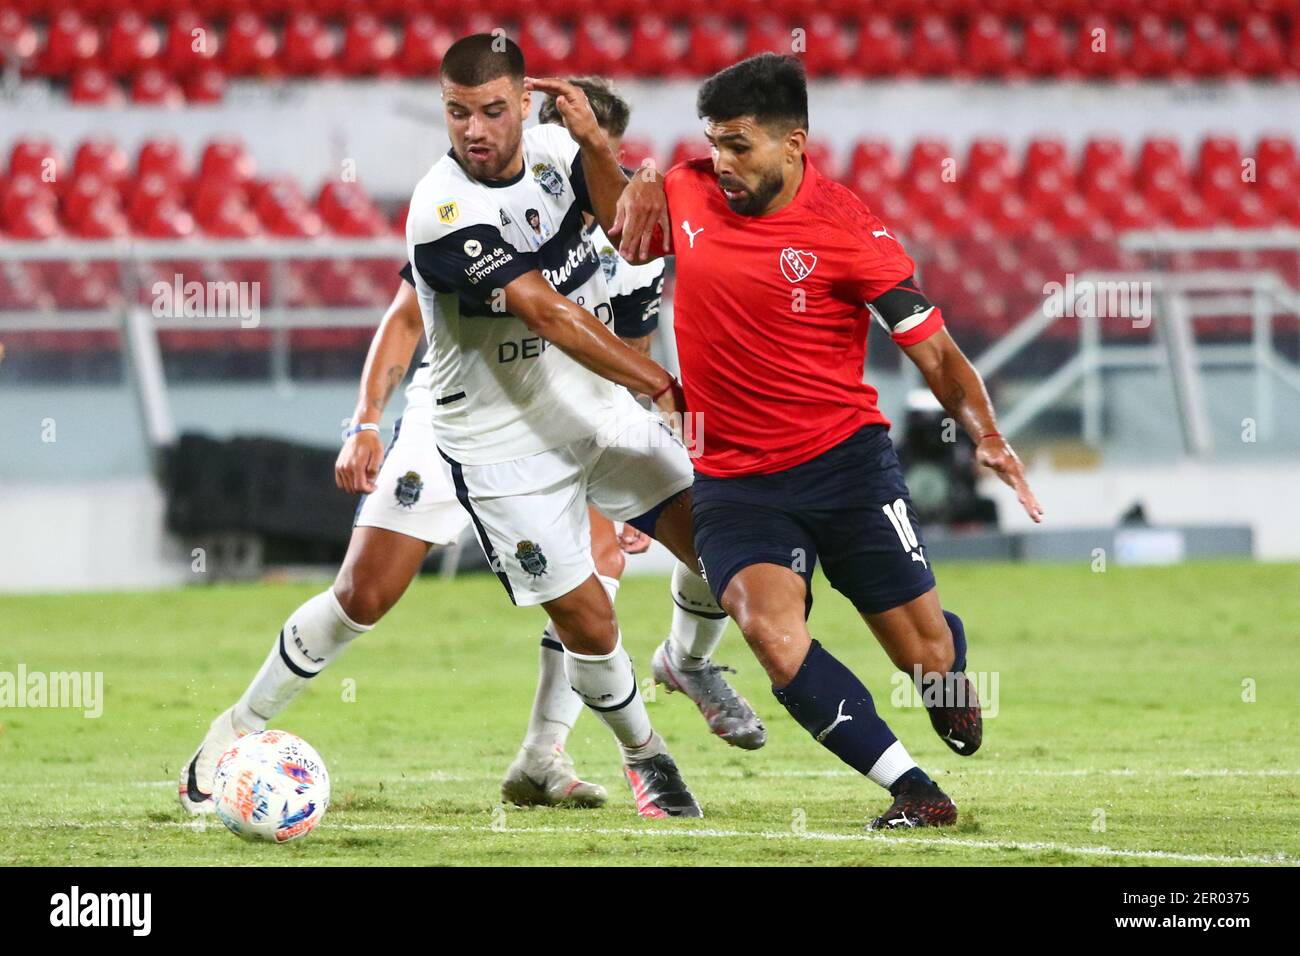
958,639
830,703
915,775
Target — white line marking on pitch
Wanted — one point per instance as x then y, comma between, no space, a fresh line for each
202,824
437,776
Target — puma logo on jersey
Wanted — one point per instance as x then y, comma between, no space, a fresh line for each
877,233
686,228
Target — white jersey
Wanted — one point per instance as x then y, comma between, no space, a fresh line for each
634,290
499,391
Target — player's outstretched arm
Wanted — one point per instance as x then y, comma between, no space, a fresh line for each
961,391
398,334
586,340
602,174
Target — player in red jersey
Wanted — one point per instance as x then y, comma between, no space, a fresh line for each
779,272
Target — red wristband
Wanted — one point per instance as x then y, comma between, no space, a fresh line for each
991,435
655,396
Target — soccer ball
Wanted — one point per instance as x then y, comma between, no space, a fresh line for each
271,786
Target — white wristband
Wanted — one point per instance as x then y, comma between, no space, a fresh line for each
363,427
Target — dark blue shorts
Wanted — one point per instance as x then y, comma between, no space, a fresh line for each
848,506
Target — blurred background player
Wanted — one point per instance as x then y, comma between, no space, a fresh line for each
682,662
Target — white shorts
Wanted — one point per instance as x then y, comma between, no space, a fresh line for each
530,513
413,494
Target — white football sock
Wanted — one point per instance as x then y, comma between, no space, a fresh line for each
314,635
607,684
556,705
698,621
891,765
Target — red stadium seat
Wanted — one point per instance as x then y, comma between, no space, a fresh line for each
17,36
830,47
192,44
930,156
1154,53
654,49
1208,54
72,45
546,45
1260,51
934,48
250,48
424,42
153,87
94,87
1044,154
132,43
990,154
988,50
348,211
284,211
208,85
1218,152
369,47
766,34
1046,51
309,47
29,209
99,156
226,160
153,191
39,159
1251,212
1104,153
874,154
1160,152
1096,49
714,44
881,48
599,47
164,158
221,211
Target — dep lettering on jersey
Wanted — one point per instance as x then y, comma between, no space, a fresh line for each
499,391
771,316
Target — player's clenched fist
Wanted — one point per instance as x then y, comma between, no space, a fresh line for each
358,463
641,224
994,453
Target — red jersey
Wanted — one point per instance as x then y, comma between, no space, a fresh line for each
770,314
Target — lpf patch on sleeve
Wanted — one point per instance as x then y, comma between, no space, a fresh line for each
448,212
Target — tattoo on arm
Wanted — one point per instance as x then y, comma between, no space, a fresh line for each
392,379
953,400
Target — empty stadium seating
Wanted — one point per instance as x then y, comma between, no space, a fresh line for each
109,50
988,225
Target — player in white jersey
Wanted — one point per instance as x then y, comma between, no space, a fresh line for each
525,372
411,505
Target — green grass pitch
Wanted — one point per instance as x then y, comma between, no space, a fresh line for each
1126,732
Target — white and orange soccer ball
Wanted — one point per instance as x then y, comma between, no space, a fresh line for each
271,785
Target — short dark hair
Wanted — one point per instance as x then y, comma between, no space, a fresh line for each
612,111
481,58
771,88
